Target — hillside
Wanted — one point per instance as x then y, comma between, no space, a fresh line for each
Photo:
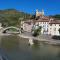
10,17
56,16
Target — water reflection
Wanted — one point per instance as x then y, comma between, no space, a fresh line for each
16,48
9,42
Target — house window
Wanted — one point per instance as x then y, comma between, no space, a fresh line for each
47,29
43,25
43,22
40,23
50,28
55,24
54,29
47,25
50,24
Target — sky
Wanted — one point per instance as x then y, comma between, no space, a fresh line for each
50,7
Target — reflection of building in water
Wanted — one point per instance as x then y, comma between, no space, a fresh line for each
0,40
54,50
31,41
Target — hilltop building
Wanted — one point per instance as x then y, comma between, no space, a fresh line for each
40,14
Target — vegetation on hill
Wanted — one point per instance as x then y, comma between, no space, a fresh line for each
56,16
10,17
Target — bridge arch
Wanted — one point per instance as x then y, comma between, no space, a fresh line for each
5,29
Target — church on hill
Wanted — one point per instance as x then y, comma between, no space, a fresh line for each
38,13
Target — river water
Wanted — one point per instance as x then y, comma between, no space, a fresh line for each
16,48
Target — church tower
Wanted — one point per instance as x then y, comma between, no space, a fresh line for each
37,12
42,12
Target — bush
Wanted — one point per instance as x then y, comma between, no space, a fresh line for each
37,31
35,34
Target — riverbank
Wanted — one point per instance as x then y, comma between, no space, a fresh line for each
3,34
42,38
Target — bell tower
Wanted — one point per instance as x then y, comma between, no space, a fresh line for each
42,12
37,12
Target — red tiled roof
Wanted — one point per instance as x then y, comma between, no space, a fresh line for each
54,22
43,19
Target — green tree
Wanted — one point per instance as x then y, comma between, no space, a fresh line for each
37,31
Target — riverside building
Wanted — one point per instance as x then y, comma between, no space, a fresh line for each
49,25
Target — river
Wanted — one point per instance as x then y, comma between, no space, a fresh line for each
15,48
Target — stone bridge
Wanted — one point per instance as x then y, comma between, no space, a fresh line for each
4,29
